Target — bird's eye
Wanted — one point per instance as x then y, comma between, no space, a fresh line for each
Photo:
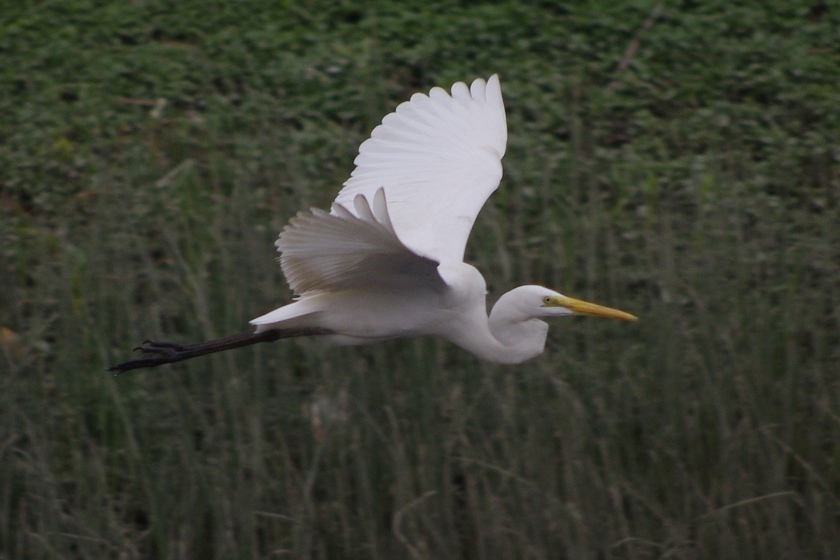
546,300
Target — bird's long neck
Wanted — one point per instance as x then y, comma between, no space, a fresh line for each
507,336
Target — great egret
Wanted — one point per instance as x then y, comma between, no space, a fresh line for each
387,260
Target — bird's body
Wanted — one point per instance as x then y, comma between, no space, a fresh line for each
457,314
387,260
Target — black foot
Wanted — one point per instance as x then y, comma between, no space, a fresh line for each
153,353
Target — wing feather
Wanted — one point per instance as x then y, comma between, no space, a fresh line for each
341,250
438,159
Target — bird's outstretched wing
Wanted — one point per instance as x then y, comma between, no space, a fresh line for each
330,252
438,158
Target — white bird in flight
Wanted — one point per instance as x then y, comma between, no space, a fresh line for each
387,260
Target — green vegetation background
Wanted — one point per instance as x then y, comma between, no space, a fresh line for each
679,162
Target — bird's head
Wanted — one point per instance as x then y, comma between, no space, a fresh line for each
537,301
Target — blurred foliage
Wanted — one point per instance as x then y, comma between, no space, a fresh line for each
680,162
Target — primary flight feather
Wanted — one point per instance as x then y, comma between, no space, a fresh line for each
387,260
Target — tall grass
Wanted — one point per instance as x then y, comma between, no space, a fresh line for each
150,156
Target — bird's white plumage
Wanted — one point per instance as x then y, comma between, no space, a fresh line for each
387,261
438,158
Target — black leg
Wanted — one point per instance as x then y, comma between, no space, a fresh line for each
155,354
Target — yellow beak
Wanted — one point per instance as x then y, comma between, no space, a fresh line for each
580,307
